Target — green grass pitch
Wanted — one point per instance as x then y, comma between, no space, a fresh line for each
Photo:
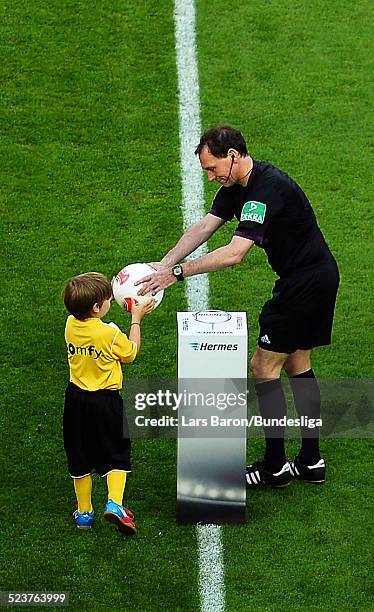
90,179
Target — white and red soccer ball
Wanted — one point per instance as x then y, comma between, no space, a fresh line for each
124,288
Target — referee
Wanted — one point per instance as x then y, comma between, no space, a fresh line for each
274,214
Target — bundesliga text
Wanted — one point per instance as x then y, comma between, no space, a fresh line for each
217,421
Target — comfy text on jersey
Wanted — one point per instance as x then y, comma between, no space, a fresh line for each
95,353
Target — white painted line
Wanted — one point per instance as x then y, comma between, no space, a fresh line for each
211,571
197,287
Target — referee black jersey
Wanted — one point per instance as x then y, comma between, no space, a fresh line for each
275,213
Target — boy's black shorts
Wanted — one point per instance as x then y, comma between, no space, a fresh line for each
301,312
96,435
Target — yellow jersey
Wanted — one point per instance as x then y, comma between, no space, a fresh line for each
95,353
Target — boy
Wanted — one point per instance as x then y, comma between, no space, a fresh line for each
95,427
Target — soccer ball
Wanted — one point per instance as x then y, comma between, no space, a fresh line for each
124,288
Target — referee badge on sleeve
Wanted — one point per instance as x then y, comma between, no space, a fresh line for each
253,211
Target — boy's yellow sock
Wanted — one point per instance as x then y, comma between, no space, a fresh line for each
116,481
83,489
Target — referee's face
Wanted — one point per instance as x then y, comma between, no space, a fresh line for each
218,169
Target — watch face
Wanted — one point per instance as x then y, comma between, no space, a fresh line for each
178,272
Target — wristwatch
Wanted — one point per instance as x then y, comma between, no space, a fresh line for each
178,272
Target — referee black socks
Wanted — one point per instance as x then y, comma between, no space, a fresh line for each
307,398
272,405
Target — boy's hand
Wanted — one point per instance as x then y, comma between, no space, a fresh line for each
138,311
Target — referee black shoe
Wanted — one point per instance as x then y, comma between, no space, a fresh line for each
311,473
258,476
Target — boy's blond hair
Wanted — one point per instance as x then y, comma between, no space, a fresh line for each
83,291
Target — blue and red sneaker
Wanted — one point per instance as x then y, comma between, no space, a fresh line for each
120,516
83,520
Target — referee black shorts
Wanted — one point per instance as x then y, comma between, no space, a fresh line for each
96,434
301,312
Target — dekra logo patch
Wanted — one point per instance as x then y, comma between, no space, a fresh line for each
253,211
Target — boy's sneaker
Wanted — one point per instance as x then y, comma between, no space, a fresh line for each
120,516
258,476
83,520
310,473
